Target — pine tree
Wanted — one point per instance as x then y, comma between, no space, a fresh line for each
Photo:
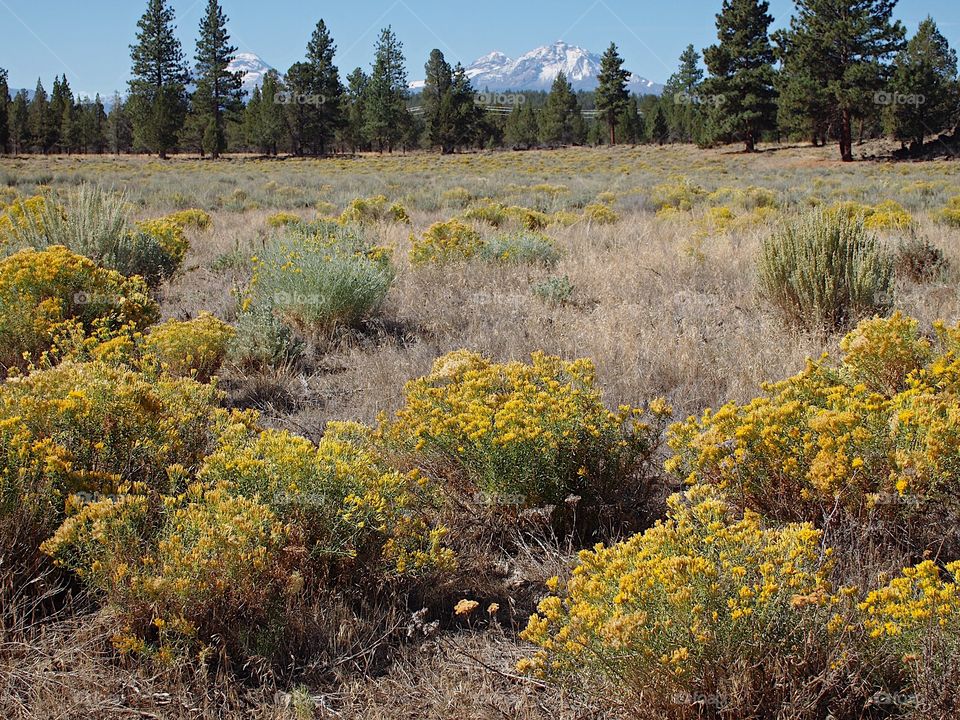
272,121
252,131
657,129
42,134
219,93
611,97
158,100
4,113
740,91
355,98
803,105
386,115
20,123
561,121
297,105
119,127
682,94
466,115
325,88
844,45
437,108
926,68
629,123
521,131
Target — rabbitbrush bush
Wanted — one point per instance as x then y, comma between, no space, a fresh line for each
449,241
707,611
538,431
238,553
47,293
871,445
825,270
194,348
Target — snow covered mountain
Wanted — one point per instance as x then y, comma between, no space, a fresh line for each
253,68
537,69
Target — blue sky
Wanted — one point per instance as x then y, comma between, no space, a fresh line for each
88,40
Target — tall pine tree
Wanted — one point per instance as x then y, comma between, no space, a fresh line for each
219,93
4,113
20,123
42,134
611,97
158,101
561,122
325,89
926,68
386,111
437,110
354,101
844,46
119,127
740,90
682,95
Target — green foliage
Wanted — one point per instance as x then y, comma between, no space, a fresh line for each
611,98
825,271
522,248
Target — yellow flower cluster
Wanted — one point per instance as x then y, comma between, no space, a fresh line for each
700,594
194,348
47,293
170,232
191,218
600,214
908,607
879,435
282,219
538,430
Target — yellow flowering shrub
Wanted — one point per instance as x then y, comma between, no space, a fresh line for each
194,348
33,473
886,215
191,218
233,552
112,424
492,213
528,219
343,504
282,219
680,194
45,293
877,437
906,609
445,242
169,235
703,604
950,215
600,214
363,211
201,566
537,430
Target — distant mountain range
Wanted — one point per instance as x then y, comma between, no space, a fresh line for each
537,69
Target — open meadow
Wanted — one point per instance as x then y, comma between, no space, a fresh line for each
611,433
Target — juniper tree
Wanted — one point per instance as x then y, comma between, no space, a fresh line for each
924,86
158,101
740,90
611,97
219,93
845,46
385,111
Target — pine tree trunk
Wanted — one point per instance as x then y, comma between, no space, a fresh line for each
613,134
846,136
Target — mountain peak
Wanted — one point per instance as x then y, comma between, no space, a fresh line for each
538,68
253,68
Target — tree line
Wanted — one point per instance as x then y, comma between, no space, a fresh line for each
842,71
